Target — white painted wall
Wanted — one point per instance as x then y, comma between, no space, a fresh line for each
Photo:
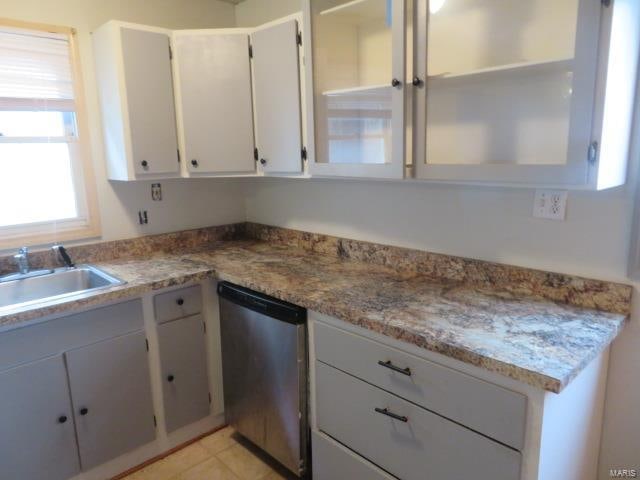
493,224
185,205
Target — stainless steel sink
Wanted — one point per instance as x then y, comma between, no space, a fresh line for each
53,286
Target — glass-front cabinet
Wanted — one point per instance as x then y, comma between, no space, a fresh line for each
358,78
535,92
509,89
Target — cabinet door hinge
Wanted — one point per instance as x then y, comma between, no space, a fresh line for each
146,344
592,153
256,154
179,159
209,398
606,3
303,153
250,51
204,327
170,53
155,421
299,38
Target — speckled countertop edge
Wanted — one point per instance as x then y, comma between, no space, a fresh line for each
166,270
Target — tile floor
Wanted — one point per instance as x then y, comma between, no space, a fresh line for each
223,455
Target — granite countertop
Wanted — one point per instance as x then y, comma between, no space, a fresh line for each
539,342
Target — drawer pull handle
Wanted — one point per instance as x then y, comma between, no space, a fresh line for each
391,366
395,416
180,301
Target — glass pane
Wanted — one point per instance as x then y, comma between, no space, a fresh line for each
352,76
500,81
36,183
36,124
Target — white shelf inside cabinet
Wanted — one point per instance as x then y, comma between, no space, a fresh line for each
374,97
357,91
509,71
359,11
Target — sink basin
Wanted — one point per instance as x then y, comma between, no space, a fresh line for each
53,286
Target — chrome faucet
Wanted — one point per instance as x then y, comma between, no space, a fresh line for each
22,260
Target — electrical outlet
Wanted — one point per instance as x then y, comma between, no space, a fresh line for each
550,204
156,192
143,218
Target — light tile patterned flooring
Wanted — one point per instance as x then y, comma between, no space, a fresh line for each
223,455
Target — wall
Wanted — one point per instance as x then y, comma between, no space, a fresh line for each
186,204
251,13
493,224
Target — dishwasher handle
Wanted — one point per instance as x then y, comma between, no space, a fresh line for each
261,303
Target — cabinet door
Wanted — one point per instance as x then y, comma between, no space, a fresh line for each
37,439
358,50
150,102
276,73
183,360
515,108
111,394
213,79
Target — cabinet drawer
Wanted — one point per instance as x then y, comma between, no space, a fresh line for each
484,407
178,303
332,460
414,443
34,342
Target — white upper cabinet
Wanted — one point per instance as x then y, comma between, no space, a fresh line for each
358,78
277,97
133,66
511,91
213,97
506,92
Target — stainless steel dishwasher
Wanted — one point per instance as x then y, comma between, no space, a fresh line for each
264,363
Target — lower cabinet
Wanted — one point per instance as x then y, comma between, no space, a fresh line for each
37,437
86,403
332,461
183,359
403,438
111,393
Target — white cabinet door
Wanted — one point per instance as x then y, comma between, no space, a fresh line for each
183,362
37,438
111,392
276,74
151,106
213,89
358,77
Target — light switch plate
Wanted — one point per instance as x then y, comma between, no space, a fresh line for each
550,204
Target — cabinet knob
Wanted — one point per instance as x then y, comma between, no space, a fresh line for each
417,82
194,162
395,83
84,411
144,164
170,378
62,419
180,301
263,161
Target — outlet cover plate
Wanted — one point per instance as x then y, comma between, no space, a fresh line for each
550,204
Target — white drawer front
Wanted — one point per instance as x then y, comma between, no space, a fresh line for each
178,303
424,446
484,407
332,461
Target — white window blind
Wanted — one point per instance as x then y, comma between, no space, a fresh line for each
35,71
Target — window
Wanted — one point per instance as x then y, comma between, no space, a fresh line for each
47,190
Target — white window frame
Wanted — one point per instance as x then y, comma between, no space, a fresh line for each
87,222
